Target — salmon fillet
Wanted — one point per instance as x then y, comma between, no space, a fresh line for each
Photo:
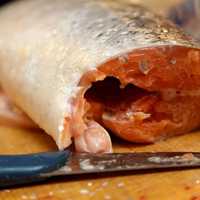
148,103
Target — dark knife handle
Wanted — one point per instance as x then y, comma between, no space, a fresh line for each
21,169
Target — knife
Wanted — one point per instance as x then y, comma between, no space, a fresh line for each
23,169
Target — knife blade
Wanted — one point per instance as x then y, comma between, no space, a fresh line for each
22,169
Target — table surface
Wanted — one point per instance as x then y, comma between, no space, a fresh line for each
176,185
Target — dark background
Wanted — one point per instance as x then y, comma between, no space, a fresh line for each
4,1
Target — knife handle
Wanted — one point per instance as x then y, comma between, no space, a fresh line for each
22,169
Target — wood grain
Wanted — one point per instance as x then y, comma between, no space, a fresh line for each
177,185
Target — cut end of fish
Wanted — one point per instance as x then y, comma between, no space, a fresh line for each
141,97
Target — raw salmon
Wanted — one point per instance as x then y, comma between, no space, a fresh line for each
82,69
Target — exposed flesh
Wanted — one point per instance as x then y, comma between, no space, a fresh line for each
142,99
136,114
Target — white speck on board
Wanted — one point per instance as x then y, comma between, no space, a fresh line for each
121,184
84,191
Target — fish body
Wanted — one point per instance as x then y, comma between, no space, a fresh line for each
80,68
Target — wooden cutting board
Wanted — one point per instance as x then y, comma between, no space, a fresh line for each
176,185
